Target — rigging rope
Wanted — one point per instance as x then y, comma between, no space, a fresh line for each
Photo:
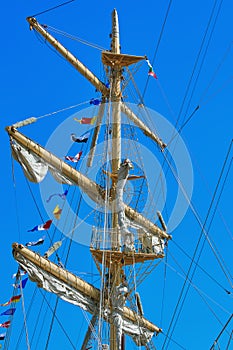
201,268
227,52
230,339
158,43
204,54
106,224
52,8
197,60
62,110
198,290
51,323
60,324
24,314
75,38
15,197
223,329
163,293
203,231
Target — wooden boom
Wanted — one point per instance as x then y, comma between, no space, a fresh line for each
69,56
80,285
92,189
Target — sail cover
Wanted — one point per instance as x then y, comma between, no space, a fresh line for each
139,333
36,161
34,168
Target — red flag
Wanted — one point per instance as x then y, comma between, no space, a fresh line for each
14,299
42,227
5,324
74,159
151,71
86,120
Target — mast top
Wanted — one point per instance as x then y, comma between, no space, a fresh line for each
115,46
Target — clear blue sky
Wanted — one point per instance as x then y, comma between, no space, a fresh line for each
194,68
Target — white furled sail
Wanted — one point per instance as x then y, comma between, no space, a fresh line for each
74,290
27,153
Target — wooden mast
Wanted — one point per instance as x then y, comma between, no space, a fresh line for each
115,98
115,61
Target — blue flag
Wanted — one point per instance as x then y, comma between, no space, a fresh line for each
95,101
10,311
23,283
42,227
80,139
62,195
38,242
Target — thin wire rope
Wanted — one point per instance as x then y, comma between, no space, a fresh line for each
196,62
193,71
63,109
217,91
39,315
51,323
35,202
58,321
135,290
15,196
24,315
200,292
92,329
173,341
227,52
56,254
66,260
75,38
52,8
219,211
230,339
201,268
223,329
158,43
7,338
178,132
100,324
196,215
213,215
203,231
14,181
205,51
163,292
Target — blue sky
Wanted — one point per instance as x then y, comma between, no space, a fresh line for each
194,68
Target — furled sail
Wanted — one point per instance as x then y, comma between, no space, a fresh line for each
72,289
33,167
36,161
62,172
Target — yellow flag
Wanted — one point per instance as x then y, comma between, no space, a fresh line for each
57,212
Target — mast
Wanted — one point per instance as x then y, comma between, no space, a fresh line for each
114,61
94,191
115,98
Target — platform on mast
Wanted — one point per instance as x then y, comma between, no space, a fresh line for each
125,258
